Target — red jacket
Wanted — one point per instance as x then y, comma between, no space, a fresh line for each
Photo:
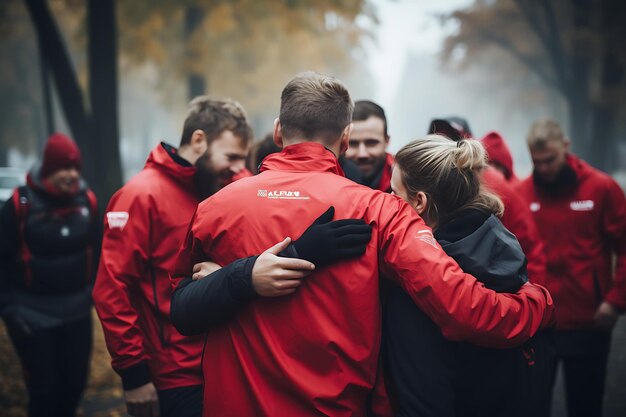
384,184
582,231
145,225
244,173
518,219
500,154
316,352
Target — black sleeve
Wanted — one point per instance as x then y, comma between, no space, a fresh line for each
199,305
9,246
420,361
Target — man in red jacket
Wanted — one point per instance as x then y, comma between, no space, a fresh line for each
581,214
367,147
145,225
316,351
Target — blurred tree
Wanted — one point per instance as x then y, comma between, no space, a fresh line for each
574,47
245,49
94,126
20,109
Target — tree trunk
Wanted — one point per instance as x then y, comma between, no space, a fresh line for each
579,110
101,26
579,80
4,156
97,136
47,99
56,56
196,84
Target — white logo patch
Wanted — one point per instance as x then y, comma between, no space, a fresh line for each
534,206
426,236
582,205
282,195
117,219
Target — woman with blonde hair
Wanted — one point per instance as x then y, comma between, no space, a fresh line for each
430,375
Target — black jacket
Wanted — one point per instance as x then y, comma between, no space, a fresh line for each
61,237
432,376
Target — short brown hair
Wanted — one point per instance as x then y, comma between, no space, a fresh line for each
214,117
543,131
364,109
449,173
313,105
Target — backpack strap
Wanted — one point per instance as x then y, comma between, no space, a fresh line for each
93,202
93,205
21,203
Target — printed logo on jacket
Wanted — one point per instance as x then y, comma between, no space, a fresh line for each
117,219
282,195
426,236
582,205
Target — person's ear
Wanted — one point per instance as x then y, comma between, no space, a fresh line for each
278,133
345,138
198,142
420,202
566,144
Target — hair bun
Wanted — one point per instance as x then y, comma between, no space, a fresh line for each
470,154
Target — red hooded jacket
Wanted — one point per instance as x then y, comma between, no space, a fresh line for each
500,154
518,219
145,225
316,352
384,184
582,231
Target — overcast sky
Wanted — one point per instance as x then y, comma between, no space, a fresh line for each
405,26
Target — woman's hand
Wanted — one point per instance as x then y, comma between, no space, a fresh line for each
274,276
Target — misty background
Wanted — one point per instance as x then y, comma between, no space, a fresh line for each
392,52
116,76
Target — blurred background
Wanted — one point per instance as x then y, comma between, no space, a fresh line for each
116,76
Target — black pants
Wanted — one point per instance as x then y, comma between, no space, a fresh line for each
584,355
181,402
55,363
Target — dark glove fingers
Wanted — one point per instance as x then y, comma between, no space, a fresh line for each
353,240
350,252
325,217
345,222
354,229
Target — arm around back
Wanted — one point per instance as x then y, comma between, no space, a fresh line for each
199,305
460,305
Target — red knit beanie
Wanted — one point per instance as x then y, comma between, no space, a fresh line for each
60,153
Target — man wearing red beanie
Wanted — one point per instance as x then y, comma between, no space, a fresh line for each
49,239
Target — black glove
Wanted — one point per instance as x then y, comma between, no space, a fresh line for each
327,241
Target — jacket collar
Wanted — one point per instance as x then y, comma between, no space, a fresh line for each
580,167
303,157
165,159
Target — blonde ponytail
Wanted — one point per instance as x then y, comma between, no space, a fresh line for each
469,154
449,173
